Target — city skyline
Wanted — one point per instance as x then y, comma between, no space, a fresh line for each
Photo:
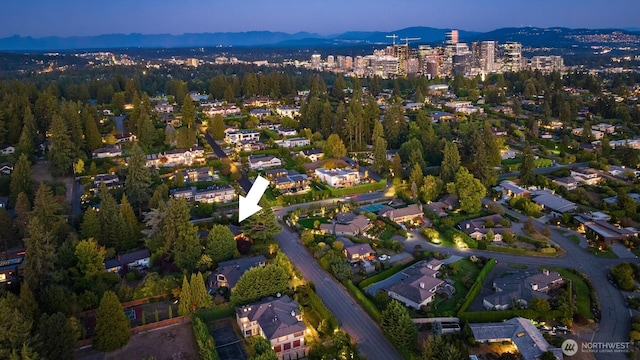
77,18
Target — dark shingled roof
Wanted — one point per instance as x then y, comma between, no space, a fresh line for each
277,317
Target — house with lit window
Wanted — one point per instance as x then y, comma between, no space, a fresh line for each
279,320
417,285
264,162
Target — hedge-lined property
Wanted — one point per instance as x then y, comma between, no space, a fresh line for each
362,299
358,189
206,344
477,286
385,274
493,315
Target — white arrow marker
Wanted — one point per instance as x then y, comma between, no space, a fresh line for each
249,205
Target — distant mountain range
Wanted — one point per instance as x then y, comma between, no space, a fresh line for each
528,36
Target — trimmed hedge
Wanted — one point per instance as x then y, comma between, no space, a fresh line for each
477,286
499,315
385,274
216,313
362,299
206,344
316,304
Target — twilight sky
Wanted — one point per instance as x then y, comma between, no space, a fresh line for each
39,18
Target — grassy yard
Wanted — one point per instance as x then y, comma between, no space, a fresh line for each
602,253
583,300
575,238
467,273
308,222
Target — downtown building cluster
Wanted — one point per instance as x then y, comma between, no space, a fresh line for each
450,59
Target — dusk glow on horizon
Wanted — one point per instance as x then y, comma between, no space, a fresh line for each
81,18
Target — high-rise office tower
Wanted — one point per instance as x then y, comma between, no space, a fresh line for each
512,59
451,37
315,61
484,56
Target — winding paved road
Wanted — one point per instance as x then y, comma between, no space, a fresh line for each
614,325
352,318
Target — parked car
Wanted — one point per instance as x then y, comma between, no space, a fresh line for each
384,257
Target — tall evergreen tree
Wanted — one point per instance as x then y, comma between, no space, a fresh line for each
56,337
113,328
180,236
450,162
527,174
398,327
138,181
62,151
112,226
39,268
188,112
146,131
220,244
184,306
22,211
199,296
92,136
51,213
91,225
27,141
21,179
262,225
394,123
217,127
131,233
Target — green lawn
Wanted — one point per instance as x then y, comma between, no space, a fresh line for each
308,222
467,273
601,253
575,239
387,234
583,300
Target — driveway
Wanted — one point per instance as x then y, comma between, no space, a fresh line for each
622,251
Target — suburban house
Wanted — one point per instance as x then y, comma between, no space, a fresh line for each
233,137
293,142
510,189
588,176
176,157
520,287
347,224
622,171
287,131
279,320
288,181
418,284
229,272
7,150
134,259
569,182
223,110
409,213
338,178
478,228
125,137
288,111
263,162
312,154
602,230
198,174
445,203
210,195
111,181
163,107
215,194
106,152
438,116
260,113
259,101
553,203
10,270
6,168
359,252
520,332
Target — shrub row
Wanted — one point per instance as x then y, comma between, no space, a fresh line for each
206,344
318,306
499,315
477,286
362,299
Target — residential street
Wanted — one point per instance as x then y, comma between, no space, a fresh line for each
351,317
613,327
